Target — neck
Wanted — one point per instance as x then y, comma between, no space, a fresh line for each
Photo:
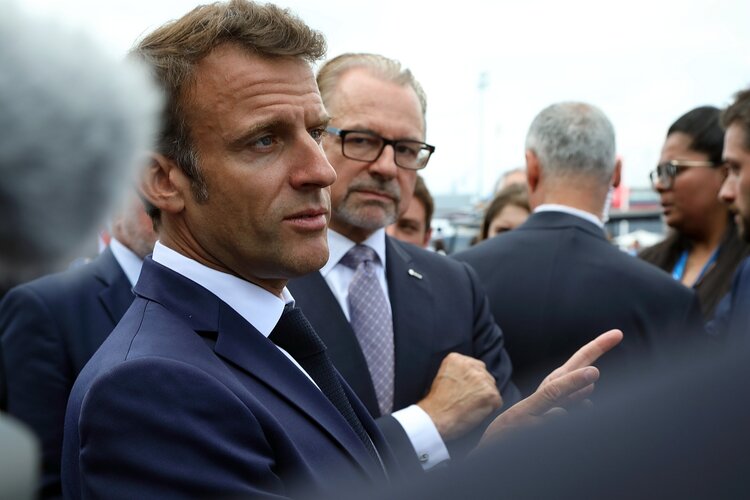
580,200
708,239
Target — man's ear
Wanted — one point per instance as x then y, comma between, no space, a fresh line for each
533,173
617,174
164,184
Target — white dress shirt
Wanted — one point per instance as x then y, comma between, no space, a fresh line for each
418,426
552,207
130,263
257,306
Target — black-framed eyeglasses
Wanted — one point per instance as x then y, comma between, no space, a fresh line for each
368,146
665,173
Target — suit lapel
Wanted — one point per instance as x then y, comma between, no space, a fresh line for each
412,303
117,295
321,308
240,343
244,346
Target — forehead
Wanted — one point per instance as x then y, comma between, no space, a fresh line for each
362,100
232,84
677,143
735,141
415,211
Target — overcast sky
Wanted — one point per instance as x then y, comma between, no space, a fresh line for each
643,62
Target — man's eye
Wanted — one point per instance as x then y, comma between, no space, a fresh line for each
407,150
317,134
264,142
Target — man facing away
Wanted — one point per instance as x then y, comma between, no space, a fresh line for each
556,281
50,327
213,383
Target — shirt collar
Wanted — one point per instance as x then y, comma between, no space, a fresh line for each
257,306
130,263
339,245
552,207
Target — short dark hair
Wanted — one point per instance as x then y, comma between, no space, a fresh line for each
739,112
705,131
513,194
174,49
422,194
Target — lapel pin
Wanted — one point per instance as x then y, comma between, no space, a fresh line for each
415,274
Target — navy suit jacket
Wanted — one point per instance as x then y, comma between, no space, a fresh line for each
555,283
438,308
732,319
49,328
186,399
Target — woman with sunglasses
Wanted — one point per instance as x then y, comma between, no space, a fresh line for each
702,249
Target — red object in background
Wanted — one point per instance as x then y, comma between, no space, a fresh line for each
620,197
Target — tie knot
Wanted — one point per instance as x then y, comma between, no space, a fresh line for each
357,255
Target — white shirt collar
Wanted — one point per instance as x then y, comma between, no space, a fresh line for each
339,245
259,307
552,207
130,263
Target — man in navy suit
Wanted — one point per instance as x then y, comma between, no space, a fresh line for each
188,397
447,364
198,391
51,326
555,282
732,317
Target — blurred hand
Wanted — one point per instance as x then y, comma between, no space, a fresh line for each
462,394
567,385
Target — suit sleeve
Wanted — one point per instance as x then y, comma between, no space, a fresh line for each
489,343
157,428
38,375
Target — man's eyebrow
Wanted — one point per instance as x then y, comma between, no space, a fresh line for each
371,131
323,121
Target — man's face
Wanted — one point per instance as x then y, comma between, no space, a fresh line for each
736,189
411,226
256,125
370,195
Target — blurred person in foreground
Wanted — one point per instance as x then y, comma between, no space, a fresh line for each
75,124
555,281
508,210
703,248
414,225
50,327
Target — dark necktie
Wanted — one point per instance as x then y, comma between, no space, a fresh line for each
295,335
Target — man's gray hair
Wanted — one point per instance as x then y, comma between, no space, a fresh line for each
75,121
573,139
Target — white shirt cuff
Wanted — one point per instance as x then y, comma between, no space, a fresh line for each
423,435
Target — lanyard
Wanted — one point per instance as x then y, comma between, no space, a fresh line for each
679,267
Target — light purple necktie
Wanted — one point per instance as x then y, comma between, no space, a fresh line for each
371,321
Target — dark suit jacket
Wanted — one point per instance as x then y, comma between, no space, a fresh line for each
442,311
732,320
49,329
555,283
186,399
